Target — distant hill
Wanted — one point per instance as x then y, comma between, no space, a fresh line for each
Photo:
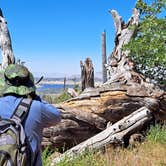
61,76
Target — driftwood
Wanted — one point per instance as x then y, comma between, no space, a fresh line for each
5,43
113,134
87,74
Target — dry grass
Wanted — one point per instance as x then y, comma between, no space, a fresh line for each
152,152
145,154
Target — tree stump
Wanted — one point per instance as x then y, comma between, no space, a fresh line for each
87,74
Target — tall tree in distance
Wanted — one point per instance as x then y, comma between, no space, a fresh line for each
104,58
5,43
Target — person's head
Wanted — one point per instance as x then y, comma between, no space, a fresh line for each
18,80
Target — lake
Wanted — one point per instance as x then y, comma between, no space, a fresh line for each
51,88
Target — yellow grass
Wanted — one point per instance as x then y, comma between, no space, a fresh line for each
152,152
145,154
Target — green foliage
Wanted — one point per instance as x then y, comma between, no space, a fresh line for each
45,155
157,134
62,97
148,47
54,99
156,7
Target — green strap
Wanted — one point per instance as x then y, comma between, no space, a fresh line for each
22,109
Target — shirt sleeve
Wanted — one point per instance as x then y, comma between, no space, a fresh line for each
50,115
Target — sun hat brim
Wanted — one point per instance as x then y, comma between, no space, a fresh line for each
7,88
19,90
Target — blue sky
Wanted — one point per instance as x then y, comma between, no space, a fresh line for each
52,36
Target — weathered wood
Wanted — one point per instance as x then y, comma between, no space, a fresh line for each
87,74
5,43
125,92
111,135
72,92
120,67
75,127
104,57
93,109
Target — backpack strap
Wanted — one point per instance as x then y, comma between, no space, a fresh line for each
22,109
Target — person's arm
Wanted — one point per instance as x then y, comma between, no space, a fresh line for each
50,115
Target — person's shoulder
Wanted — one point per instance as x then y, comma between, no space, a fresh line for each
40,103
10,97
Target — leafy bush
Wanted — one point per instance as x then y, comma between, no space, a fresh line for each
62,97
148,47
45,155
157,134
54,99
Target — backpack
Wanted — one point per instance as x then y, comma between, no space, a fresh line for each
14,145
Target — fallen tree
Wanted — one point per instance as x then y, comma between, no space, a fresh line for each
126,91
114,134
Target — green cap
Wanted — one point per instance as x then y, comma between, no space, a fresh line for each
16,79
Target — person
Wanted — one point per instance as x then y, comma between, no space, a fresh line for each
17,82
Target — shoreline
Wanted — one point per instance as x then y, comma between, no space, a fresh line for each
97,83
59,82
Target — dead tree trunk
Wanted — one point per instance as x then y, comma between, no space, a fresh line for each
64,84
104,57
5,43
120,67
87,74
112,135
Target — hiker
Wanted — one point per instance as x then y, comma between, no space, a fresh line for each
16,82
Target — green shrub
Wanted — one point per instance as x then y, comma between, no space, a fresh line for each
45,155
62,97
55,98
157,134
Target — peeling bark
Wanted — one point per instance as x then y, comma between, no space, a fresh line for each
120,67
